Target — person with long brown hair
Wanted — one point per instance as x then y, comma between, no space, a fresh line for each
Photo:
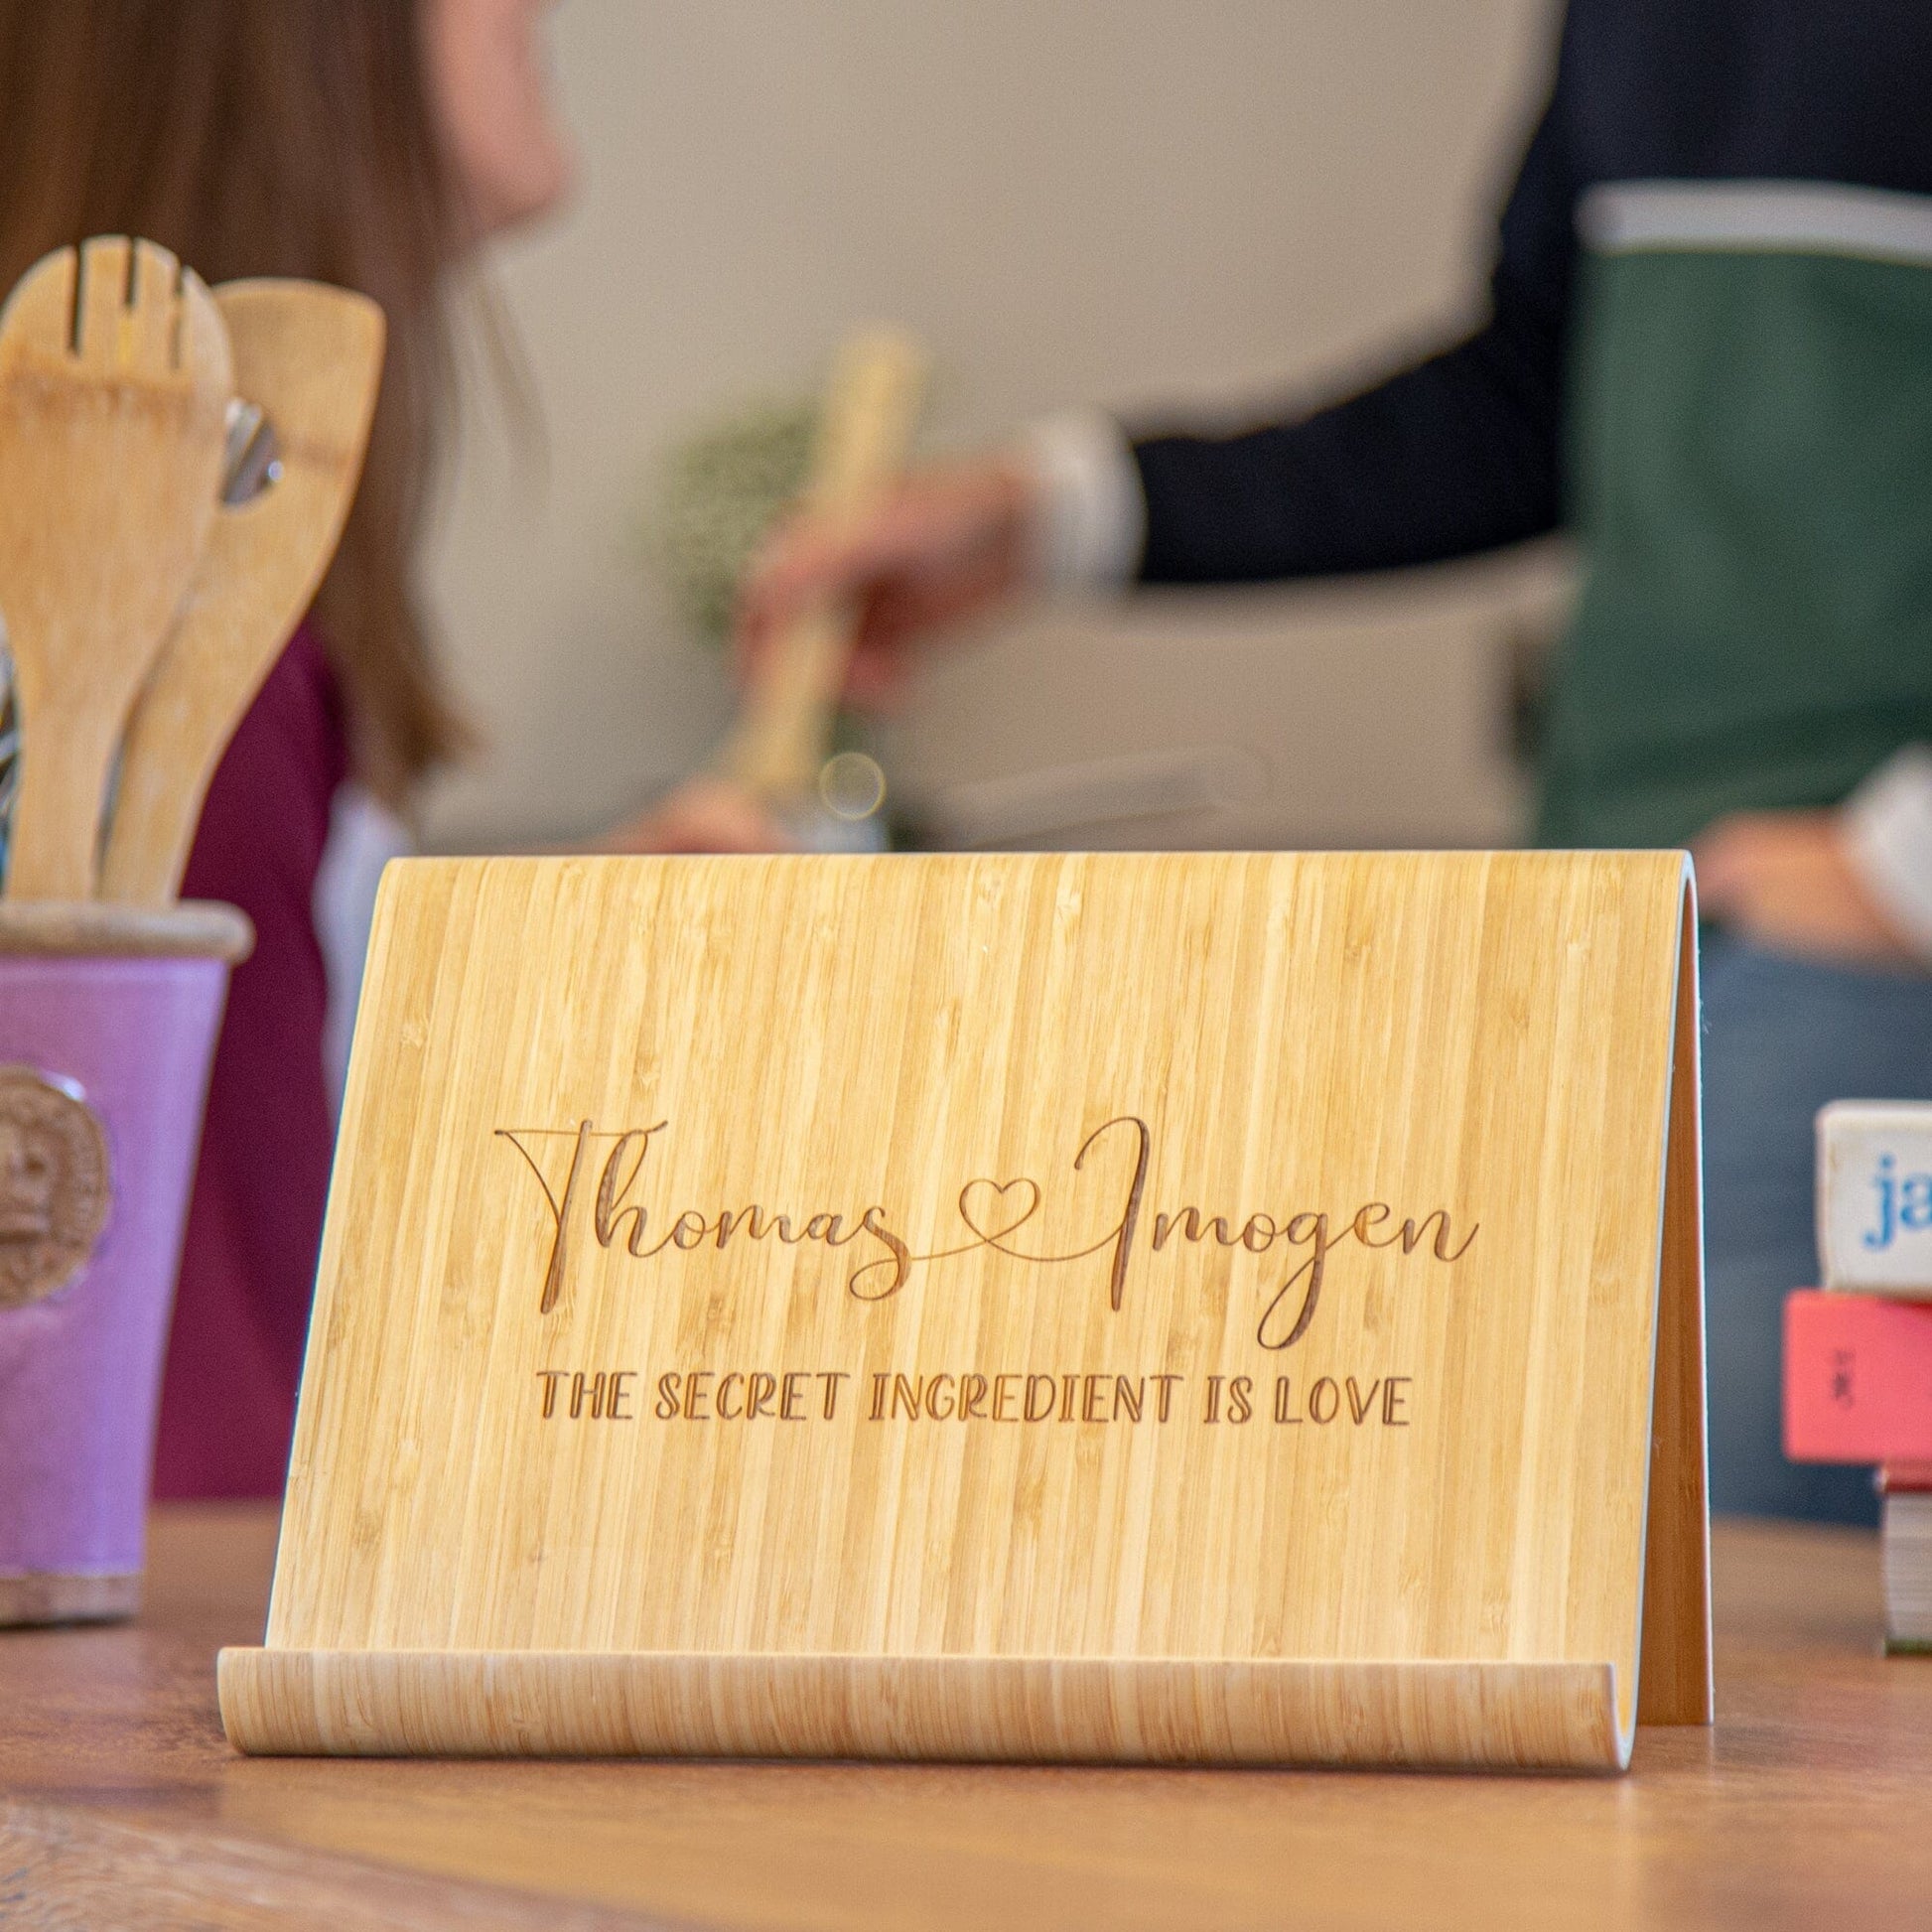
372,144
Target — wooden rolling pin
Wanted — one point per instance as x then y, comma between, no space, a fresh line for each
784,736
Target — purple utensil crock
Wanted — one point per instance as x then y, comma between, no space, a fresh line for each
109,1018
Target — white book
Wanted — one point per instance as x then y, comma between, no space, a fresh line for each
1874,1197
1906,1543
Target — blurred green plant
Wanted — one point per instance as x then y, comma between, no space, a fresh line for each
714,498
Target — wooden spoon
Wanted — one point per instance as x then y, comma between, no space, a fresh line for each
311,358
114,383
782,740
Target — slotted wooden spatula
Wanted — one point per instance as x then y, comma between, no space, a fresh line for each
310,358
114,388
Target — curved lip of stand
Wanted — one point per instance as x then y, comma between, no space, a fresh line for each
95,928
1545,1714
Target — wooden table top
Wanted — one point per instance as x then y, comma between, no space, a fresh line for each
1809,1805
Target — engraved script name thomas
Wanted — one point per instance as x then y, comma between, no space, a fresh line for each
593,1194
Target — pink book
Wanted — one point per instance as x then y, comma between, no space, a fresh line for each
1858,1379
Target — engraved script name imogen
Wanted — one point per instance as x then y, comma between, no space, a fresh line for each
992,1213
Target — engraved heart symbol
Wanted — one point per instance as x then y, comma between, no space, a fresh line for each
988,1207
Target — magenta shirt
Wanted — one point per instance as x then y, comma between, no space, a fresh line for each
248,1263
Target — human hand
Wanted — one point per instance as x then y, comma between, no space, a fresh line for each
944,545
1787,879
704,814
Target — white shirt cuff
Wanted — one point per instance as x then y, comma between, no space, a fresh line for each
1888,832
1092,521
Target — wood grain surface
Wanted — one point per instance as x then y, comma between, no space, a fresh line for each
996,1709
1295,1222
1807,1806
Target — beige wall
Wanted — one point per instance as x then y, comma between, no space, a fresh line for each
1127,201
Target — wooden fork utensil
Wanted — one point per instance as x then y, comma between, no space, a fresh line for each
114,388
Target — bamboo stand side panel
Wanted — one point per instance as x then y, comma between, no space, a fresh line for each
1674,1685
518,1703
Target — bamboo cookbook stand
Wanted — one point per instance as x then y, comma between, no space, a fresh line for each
1198,1308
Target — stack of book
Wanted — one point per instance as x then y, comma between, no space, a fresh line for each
1858,1353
